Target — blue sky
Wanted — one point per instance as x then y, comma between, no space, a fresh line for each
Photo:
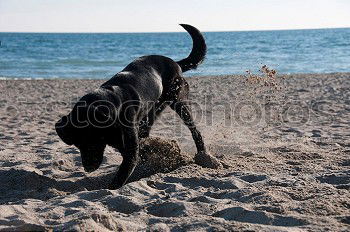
164,15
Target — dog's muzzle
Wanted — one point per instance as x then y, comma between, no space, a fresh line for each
91,168
91,160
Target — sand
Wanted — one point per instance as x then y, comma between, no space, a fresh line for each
285,150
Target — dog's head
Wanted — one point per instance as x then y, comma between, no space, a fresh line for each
88,126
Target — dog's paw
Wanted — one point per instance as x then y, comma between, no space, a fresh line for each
207,161
114,185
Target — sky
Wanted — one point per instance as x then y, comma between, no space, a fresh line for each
165,15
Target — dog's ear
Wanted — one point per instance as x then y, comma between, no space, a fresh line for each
101,115
64,130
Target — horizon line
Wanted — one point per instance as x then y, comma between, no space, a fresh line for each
139,32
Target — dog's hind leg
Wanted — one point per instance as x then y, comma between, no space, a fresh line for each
178,96
202,157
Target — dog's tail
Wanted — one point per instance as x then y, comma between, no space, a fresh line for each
198,52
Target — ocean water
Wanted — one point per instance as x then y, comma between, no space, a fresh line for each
101,55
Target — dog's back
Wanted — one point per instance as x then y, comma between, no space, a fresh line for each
155,74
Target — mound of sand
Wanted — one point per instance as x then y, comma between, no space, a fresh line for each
159,155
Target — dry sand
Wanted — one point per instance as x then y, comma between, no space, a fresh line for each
286,155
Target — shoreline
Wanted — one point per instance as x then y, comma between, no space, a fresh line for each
197,76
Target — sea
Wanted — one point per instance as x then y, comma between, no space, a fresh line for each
101,55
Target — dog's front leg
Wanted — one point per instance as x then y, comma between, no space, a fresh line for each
130,153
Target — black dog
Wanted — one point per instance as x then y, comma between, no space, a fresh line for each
125,107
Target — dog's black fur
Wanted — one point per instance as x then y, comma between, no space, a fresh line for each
125,107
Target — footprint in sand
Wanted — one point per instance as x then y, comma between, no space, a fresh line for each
122,204
252,178
340,180
34,185
240,214
169,209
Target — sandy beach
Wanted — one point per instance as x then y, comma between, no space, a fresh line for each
285,149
